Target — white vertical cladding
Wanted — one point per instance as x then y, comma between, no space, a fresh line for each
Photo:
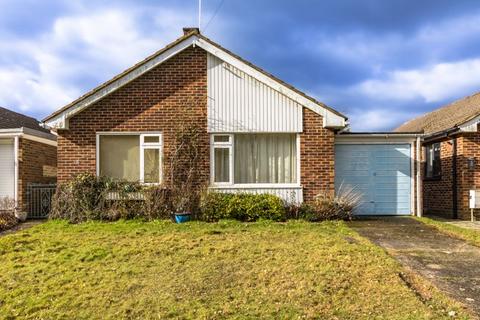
238,102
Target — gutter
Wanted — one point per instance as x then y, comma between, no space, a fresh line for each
441,134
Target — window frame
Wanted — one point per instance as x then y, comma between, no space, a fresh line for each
231,144
142,147
430,153
221,145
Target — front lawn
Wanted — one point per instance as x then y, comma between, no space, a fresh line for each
198,270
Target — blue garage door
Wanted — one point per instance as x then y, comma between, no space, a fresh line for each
381,172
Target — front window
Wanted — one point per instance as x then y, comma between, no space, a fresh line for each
131,157
257,159
433,168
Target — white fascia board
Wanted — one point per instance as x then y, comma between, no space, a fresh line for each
376,138
60,121
470,126
330,119
29,134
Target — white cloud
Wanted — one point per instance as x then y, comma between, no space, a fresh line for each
377,119
432,84
49,71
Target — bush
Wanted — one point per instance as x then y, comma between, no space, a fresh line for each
7,213
241,206
327,206
88,197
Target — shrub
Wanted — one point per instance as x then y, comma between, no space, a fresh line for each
241,206
7,213
327,206
88,197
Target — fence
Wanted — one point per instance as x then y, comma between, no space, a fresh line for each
40,200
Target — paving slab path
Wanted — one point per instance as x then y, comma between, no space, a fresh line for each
21,226
451,264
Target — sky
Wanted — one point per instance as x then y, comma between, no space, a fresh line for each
378,62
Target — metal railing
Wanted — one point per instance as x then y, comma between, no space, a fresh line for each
40,200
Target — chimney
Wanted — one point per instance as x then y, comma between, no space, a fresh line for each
189,30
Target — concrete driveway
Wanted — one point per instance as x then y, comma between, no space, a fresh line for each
450,264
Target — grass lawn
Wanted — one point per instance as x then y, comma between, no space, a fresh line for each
197,270
469,235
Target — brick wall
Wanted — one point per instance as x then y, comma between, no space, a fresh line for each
37,164
438,194
155,102
163,99
468,178
317,156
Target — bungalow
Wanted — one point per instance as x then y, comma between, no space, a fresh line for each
258,134
28,155
451,153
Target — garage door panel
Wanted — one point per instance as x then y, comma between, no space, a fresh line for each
383,177
7,168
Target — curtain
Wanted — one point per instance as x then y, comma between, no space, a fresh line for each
120,157
222,165
265,158
151,165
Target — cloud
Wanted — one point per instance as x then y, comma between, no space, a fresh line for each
77,53
432,84
377,119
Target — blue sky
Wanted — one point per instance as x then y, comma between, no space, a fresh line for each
379,62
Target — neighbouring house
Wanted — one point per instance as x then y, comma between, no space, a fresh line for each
258,134
451,155
28,156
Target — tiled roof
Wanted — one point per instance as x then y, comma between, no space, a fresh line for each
189,33
446,117
13,120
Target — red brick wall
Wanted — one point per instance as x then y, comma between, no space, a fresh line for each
163,99
438,194
155,102
468,178
37,164
317,156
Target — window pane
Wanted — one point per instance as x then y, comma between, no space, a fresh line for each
151,139
221,138
151,165
265,158
120,157
222,165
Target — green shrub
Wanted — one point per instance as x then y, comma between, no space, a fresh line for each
88,197
241,206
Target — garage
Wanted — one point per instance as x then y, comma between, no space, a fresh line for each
381,168
7,168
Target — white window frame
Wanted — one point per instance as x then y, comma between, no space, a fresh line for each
142,146
230,145
153,146
221,145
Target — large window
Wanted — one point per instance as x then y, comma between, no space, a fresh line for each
433,167
255,159
131,157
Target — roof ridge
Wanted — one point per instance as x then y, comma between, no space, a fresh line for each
458,103
194,32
